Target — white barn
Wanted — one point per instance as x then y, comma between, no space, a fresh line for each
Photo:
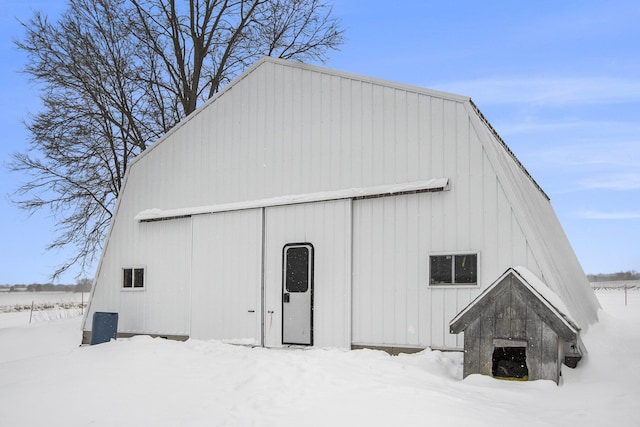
307,206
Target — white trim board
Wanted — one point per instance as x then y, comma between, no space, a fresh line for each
430,185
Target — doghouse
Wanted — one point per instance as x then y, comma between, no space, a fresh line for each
518,329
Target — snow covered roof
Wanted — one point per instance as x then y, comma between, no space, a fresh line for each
560,319
557,265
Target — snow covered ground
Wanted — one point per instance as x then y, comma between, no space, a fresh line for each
15,307
46,379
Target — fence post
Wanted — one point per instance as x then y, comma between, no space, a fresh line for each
625,295
31,314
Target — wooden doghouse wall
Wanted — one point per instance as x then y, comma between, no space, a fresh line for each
510,316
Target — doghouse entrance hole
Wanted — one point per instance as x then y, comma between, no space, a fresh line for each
510,363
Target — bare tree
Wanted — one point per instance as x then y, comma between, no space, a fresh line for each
117,74
200,46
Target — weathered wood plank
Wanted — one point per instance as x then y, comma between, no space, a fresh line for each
503,328
545,313
549,355
518,317
534,347
487,333
483,307
472,352
503,304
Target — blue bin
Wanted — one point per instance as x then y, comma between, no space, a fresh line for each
105,327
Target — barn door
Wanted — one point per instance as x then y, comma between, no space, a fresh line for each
297,294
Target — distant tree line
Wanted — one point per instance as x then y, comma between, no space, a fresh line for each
614,277
82,285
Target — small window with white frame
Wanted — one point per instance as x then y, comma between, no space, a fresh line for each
133,278
453,269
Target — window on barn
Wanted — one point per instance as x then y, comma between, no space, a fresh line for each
455,269
297,269
133,278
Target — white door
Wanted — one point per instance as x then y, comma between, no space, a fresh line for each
297,294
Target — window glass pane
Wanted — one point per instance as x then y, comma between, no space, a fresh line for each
441,269
297,269
138,280
466,268
128,278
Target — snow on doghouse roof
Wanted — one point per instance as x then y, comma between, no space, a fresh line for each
554,302
537,287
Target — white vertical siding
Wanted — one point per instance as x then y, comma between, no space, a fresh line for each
393,304
226,276
163,249
327,226
167,257
463,167
288,130
393,237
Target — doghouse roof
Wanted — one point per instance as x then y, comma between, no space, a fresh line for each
543,300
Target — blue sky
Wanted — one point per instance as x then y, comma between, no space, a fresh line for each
559,81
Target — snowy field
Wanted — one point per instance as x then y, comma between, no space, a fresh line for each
46,379
16,307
